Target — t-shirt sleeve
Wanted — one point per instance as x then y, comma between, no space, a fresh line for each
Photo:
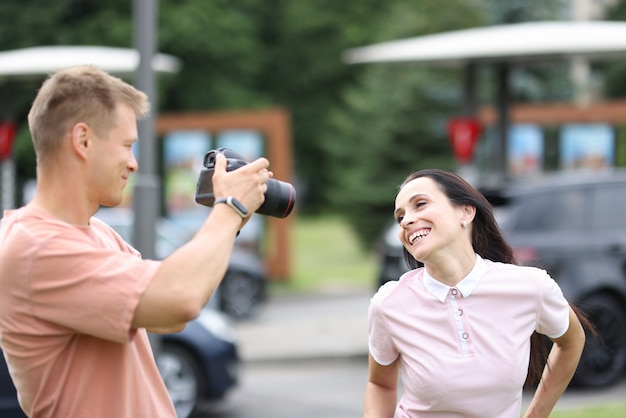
90,289
553,318
381,345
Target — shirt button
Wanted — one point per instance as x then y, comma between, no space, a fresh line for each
460,312
454,292
465,335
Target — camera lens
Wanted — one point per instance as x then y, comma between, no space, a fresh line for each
279,199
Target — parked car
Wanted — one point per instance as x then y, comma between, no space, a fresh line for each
9,407
243,288
391,263
572,225
198,364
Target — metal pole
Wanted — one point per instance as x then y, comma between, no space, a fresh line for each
147,187
8,184
8,176
469,171
146,193
503,103
469,89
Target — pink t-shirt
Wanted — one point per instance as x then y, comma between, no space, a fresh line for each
464,350
68,296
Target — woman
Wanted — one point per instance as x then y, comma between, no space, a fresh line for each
459,330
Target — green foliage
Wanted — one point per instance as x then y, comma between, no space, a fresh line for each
615,71
304,73
236,55
393,122
221,53
26,23
358,130
515,11
603,411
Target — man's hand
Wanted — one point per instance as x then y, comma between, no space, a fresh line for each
247,183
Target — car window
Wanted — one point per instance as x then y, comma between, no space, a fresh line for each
561,210
608,207
503,216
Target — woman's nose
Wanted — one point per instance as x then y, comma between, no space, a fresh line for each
406,220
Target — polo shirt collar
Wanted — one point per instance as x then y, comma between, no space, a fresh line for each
465,286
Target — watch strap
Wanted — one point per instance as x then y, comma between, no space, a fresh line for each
234,204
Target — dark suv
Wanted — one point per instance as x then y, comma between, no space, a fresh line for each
573,225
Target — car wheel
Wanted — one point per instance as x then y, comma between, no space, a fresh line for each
181,373
604,358
239,294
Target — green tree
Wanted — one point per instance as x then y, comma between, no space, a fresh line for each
614,71
357,129
516,11
393,121
237,55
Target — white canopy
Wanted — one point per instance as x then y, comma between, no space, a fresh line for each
513,42
44,60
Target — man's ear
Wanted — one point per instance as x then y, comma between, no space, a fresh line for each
81,139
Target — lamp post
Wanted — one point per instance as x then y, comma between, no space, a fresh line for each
7,136
147,183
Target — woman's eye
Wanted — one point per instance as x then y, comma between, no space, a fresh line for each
399,219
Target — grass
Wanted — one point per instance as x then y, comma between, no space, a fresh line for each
327,257
605,411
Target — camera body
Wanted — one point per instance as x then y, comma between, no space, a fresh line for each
280,196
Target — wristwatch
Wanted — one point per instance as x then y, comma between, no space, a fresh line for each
235,204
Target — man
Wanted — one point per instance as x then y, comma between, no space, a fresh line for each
76,299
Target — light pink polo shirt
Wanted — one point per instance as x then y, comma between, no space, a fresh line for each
464,350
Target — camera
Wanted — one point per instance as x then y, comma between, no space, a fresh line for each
279,197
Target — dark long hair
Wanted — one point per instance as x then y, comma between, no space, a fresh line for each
487,238
488,242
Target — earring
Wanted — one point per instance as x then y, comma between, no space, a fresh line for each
464,224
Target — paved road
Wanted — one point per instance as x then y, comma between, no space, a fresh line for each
334,389
296,390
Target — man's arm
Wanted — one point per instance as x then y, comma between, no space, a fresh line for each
186,279
168,330
381,392
562,363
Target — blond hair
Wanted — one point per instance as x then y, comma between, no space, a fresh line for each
79,94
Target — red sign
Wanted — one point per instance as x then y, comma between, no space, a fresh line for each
7,135
463,133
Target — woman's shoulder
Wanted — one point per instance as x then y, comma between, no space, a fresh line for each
392,288
509,267
513,271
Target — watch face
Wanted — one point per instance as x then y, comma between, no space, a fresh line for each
240,208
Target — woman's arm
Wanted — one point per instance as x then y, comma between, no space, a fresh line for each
381,392
562,363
